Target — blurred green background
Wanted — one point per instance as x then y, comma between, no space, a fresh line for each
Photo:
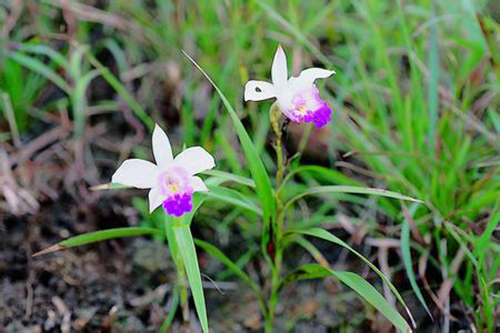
416,110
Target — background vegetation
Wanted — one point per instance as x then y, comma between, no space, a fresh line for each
415,102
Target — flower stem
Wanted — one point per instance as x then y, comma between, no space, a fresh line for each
275,115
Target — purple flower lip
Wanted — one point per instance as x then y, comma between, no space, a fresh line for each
175,187
322,116
178,204
307,106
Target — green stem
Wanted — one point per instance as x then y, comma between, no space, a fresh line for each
275,114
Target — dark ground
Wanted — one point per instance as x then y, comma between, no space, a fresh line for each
126,285
79,289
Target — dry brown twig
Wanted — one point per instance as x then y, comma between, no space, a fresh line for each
19,200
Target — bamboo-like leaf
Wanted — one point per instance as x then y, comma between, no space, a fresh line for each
215,252
257,169
323,234
332,176
98,236
227,176
212,250
372,296
362,287
108,186
233,197
174,304
122,91
351,190
40,68
55,56
79,100
405,251
306,272
188,253
433,88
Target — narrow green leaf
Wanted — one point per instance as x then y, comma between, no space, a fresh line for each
432,93
39,67
294,30
171,311
212,250
372,296
313,250
98,236
405,250
323,234
190,260
306,272
122,91
79,100
484,242
350,189
233,197
227,176
362,287
108,186
259,174
327,174
55,56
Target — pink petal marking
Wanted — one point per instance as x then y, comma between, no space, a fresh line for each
307,106
174,185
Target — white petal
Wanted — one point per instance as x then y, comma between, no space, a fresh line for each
136,173
155,199
195,160
198,185
279,72
308,76
258,91
162,150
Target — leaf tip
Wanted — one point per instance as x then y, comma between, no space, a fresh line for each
51,249
100,187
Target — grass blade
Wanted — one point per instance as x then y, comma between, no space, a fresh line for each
432,93
122,91
227,176
215,252
405,250
351,190
323,234
171,311
188,253
39,67
372,296
329,175
362,287
97,236
257,169
234,197
261,178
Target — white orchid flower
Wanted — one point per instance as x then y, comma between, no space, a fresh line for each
172,180
298,98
